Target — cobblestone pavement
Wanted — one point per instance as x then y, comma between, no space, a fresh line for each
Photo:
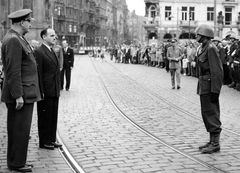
44,161
102,141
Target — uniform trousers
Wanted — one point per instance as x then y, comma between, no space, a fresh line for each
47,120
210,114
67,72
18,127
175,73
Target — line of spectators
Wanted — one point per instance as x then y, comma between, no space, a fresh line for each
156,56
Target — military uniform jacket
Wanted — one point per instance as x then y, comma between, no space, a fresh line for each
49,72
174,55
68,58
20,70
210,70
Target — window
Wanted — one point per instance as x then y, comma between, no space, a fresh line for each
168,13
228,16
210,13
153,12
75,28
70,28
184,13
191,13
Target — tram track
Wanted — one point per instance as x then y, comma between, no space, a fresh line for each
69,159
151,135
170,103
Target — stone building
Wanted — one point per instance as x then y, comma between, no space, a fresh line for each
166,19
81,22
136,30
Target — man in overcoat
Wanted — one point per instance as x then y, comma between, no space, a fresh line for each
209,86
68,61
20,88
49,75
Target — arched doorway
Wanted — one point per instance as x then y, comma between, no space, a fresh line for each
167,36
152,35
186,35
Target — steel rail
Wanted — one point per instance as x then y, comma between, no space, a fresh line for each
68,157
204,164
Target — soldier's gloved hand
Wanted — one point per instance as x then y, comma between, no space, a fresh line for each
214,97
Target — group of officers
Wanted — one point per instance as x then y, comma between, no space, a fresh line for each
32,75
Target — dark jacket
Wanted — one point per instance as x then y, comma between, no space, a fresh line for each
49,71
210,70
68,58
20,70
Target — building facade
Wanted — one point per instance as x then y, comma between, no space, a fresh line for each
81,22
136,30
166,19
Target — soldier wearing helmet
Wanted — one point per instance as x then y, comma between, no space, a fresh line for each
209,86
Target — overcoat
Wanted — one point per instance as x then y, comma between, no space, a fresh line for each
20,70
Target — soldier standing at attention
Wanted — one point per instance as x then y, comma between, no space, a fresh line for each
20,88
209,86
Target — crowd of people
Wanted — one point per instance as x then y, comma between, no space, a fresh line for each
156,56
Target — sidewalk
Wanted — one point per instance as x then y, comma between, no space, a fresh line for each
44,161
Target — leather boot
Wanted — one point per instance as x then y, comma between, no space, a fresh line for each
207,144
214,145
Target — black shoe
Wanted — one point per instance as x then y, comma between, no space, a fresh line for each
173,87
26,168
212,148
67,89
178,87
204,146
56,145
47,146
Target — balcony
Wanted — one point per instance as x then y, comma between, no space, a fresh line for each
185,23
230,3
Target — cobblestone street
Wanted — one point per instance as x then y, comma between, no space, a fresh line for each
160,132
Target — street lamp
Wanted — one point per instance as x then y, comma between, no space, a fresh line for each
189,25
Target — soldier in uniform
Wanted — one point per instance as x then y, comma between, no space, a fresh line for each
20,88
175,55
209,86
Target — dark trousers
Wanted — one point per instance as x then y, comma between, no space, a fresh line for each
67,73
18,128
226,78
167,64
210,114
47,110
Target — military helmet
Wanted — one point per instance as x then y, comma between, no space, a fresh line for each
205,30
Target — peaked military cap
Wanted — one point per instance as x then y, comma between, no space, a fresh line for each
20,15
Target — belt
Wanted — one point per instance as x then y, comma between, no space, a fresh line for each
205,77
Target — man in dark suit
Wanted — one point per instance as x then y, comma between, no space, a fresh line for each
20,89
49,75
68,60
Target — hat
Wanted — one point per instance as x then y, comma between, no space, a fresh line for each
174,40
217,39
20,15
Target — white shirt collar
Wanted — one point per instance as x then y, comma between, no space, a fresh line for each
47,46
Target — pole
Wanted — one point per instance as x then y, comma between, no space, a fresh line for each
52,21
215,16
189,31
